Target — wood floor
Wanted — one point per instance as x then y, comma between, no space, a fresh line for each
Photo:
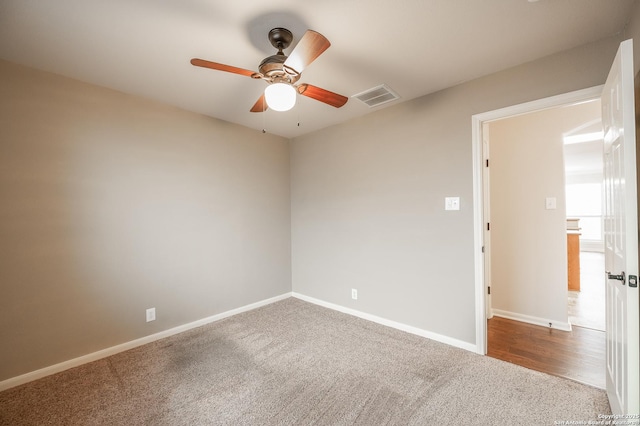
579,354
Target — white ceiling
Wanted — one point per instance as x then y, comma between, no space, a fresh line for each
416,47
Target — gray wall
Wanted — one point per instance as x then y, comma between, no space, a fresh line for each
111,204
632,30
368,196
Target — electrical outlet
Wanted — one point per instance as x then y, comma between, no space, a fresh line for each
151,314
354,294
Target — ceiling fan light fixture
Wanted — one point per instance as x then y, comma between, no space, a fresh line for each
284,71
280,96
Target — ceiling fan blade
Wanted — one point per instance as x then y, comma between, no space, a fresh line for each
310,46
221,67
260,105
322,95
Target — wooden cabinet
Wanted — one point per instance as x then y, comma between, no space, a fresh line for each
573,258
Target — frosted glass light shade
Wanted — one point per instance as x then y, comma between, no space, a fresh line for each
280,96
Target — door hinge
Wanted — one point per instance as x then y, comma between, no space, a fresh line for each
483,249
488,226
489,290
487,162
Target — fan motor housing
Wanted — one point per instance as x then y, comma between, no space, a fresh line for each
272,67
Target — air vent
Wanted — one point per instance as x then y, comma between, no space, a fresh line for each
377,96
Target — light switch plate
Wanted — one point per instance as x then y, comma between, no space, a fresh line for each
151,314
452,203
550,203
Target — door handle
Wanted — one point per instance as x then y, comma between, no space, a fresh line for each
620,277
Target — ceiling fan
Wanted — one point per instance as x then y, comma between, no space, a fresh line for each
283,72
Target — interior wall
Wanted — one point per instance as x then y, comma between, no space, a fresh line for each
111,204
528,241
368,196
632,30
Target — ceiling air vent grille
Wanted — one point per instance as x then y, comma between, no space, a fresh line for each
377,96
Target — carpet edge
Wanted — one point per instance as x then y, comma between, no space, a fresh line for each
389,323
103,353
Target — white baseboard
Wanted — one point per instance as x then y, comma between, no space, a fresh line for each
399,326
75,362
564,326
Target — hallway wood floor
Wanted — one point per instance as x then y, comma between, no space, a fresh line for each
579,354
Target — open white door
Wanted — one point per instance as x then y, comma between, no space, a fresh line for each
621,235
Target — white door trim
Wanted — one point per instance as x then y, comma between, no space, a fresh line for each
477,121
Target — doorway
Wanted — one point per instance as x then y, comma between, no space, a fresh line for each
534,177
583,151
483,296
546,174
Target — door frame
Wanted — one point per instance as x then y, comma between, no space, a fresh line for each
479,202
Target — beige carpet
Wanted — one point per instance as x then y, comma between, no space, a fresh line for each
294,363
